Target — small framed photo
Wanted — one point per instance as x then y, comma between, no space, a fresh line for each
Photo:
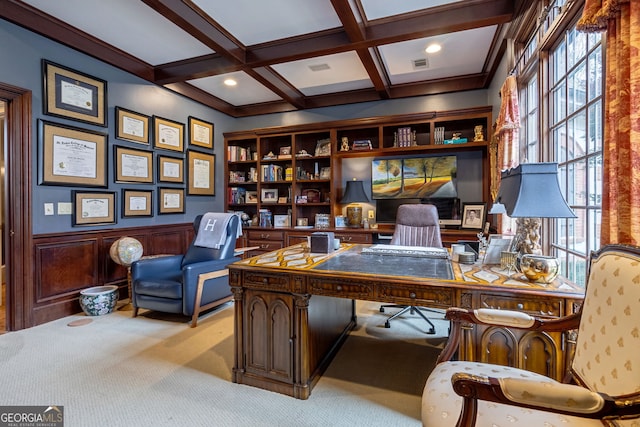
200,133
137,203
497,245
72,156
168,135
301,200
74,95
325,173
269,195
323,147
251,197
133,165
170,169
201,174
170,200
94,207
340,221
132,126
282,199
473,215
281,220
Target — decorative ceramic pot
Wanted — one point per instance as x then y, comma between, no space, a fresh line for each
99,300
539,268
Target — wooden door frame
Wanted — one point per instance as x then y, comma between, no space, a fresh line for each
18,233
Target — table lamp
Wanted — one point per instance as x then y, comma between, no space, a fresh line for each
354,194
530,192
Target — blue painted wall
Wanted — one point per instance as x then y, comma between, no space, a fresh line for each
22,51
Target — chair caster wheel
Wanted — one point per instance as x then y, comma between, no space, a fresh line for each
387,324
431,331
381,309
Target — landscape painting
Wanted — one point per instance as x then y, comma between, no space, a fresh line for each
414,178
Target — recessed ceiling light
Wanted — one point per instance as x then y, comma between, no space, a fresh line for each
230,82
319,67
433,48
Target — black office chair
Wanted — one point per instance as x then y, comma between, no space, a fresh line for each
416,225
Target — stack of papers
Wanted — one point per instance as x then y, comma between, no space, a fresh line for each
413,251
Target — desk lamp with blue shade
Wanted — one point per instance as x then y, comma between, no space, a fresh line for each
353,195
530,192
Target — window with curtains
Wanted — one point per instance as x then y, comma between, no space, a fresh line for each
564,124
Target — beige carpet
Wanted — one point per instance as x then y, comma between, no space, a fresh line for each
156,371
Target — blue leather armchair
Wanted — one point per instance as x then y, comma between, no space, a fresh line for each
186,284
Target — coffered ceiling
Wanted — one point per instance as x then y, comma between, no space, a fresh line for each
283,55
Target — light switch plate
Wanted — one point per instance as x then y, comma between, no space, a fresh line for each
372,214
64,208
48,209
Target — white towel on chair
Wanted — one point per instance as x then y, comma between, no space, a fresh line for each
212,232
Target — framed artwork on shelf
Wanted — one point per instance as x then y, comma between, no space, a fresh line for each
72,156
168,135
134,166
325,173
170,169
340,221
473,215
323,147
132,126
200,133
269,195
201,173
170,200
137,203
251,197
74,95
281,220
94,207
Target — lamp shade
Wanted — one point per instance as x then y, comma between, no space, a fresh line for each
354,193
531,190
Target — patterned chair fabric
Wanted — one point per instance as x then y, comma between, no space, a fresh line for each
604,366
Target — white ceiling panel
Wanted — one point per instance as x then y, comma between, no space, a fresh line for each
129,25
375,9
253,22
338,72
462,53
247,91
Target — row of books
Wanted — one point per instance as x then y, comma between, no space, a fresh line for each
404,137
272,173
237,195
238,154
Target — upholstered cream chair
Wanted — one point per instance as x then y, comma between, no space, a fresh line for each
602,387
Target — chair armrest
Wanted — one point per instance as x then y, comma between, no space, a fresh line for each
551,396
191,272
157,267
461,318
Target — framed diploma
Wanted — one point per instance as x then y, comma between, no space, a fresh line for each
200,133
167,134
94,207
132,126
170,169
72,156
133,165
136,203
74,95
201,173
170,200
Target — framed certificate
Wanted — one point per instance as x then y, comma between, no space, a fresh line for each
133,165
94,207
132,126
170,200
137,203
201,173
200,133
74,95
72,156
167,134
170,169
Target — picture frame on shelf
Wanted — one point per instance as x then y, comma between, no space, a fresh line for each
132,126
134,166
269,195
168,134
282,199
281,220
323,147
170,169
93,207
201,175
137,203
74,95
251,197
72,156
340,221
200,133
170,200
473,216
325,173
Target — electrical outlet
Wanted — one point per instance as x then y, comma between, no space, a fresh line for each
48,208
372,214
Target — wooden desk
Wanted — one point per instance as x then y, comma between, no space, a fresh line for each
293,310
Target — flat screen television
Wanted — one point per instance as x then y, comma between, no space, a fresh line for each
386,209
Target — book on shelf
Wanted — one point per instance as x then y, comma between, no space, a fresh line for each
271,173
238,154
237,195
363,144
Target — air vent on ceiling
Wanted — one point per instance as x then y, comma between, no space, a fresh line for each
319,67
420,63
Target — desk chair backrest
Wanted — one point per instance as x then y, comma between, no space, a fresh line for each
417,225
200,254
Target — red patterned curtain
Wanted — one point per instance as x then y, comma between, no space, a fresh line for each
621,150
